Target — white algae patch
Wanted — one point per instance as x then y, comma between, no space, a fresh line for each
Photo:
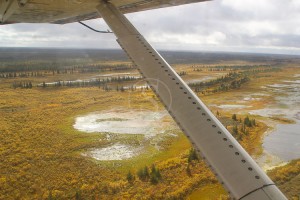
198,80
234,106
271,112
114,152
251,99
268,161
121,121
151,124
295,81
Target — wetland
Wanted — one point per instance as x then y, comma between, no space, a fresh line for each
83,123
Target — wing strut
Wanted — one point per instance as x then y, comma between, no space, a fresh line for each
232,165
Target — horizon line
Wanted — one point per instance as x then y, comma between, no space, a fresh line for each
162,50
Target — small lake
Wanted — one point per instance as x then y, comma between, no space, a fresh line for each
284,142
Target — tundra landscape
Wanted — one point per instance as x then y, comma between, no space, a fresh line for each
84,124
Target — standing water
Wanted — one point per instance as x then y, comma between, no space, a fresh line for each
284,142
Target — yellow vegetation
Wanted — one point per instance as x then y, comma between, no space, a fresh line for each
288,179
40,152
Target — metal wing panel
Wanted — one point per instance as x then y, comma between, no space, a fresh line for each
233,166
271,191
67,11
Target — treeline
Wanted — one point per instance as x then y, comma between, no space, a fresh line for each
144,174
123,88
242,128
46,69
24,85
228,77
182,73
151,178
106,87
90,83
256,71
22,74
231,80
38,65
228,67
239,127
102,68
154,175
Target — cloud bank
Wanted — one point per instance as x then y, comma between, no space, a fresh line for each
268,26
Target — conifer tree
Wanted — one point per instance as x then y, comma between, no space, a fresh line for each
234,117
130,177
188,170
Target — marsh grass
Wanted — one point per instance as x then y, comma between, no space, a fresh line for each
41,152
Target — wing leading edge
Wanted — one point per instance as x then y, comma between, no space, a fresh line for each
62,12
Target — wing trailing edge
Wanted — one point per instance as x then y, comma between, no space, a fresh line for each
62,12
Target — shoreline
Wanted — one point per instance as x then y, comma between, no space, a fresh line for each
266,160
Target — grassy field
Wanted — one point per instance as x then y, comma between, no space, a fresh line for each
41,153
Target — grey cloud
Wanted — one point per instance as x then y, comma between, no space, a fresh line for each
231,25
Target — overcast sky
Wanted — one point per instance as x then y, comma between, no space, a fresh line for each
268,26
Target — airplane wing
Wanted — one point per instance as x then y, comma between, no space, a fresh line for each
67,11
